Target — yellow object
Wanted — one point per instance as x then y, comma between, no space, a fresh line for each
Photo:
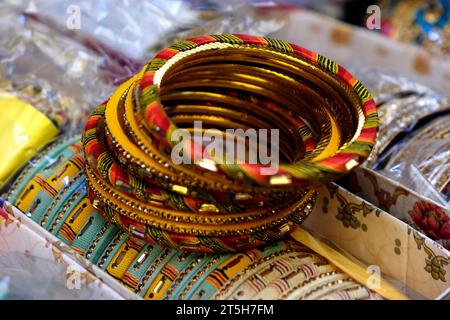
353,269
334,142
24,130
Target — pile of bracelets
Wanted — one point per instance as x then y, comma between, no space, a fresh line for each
52,191
327,124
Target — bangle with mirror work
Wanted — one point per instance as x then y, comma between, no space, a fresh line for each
227,81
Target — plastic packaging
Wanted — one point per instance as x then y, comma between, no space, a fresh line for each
26,277
68,57
64,70
59,76
137,29
49,83
413,140
423,161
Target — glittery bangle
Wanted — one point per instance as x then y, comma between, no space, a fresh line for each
330,117
45,162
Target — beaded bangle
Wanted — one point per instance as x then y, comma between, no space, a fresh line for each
104,237
169,275
351,292
187,272
228,267
44,193
141,263
268,274
155,272
280,286
155,117
123,257
111,249
331,119
62,201
44,163
329,280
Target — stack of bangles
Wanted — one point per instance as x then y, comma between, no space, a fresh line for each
127,203
51,190
327,124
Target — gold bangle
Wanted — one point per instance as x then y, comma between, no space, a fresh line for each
228,81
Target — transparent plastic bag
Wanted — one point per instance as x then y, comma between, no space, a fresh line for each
57,75
137,29
49,83
72,68
64,70
413,140
422,162
26,277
